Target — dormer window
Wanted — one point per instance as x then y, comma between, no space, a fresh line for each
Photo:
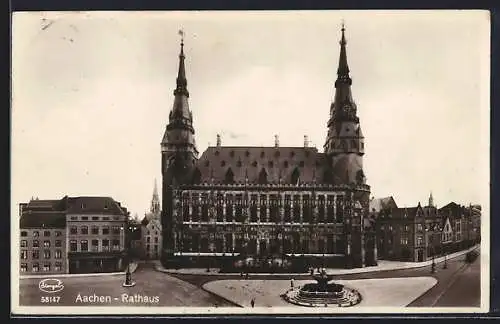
292,153
262,154
247,154
217,153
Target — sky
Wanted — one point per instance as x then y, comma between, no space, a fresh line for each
91,93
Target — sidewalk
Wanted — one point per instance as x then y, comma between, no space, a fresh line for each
133,267
383,265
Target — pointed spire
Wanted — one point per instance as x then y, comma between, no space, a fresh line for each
431,200
155,202
343,69
181,75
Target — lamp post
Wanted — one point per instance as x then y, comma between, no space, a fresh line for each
128,275
430,231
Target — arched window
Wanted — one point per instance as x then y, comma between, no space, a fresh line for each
295,176
229,178
196,176
263,176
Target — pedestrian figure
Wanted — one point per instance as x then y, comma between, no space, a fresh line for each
291,283
312,270
252,302
246,275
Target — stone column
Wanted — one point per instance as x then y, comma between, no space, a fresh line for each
224,244
233,237
335,198
326,209
224,219
282,207
258,208
258,245
267,208
301,208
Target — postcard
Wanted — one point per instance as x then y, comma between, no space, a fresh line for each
287,162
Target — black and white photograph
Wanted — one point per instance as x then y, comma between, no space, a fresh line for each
250,162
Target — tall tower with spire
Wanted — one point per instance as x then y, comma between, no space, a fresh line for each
344,144
178,150
431,200
155,203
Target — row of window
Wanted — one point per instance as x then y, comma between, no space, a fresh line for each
94,218
404,240
94,247
115,230
405,228
273,215
155,247
199,199
36,243
36,254
277,153
37,233
148,239
149,233
74,230
35,267
204,245
270,164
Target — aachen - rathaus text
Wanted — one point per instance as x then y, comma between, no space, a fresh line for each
291,202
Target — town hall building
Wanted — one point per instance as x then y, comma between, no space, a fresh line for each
296,203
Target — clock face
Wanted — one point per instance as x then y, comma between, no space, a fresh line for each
347,109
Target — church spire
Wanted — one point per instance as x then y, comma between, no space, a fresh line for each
343,69
181,74
155,202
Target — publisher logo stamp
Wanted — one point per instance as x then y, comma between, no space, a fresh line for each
51,285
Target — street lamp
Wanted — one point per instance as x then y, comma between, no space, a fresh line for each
128,275
433,265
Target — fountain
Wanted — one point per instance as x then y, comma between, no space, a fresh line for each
322,293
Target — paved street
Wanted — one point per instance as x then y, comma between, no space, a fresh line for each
458,286
434,297
169,290
464,290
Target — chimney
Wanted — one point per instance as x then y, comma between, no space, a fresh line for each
276,141
218,140
306,141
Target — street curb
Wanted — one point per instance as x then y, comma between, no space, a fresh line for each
78,275
340,272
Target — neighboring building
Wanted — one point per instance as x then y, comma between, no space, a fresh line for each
72,235
43,238
96,234
151,230
420,233
461,226
263,201
378,204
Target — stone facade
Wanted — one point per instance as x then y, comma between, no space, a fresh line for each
72,235
261,201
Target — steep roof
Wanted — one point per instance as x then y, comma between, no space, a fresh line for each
249,161
42,220
377,204
101,205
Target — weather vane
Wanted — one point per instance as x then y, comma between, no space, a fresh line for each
181,33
